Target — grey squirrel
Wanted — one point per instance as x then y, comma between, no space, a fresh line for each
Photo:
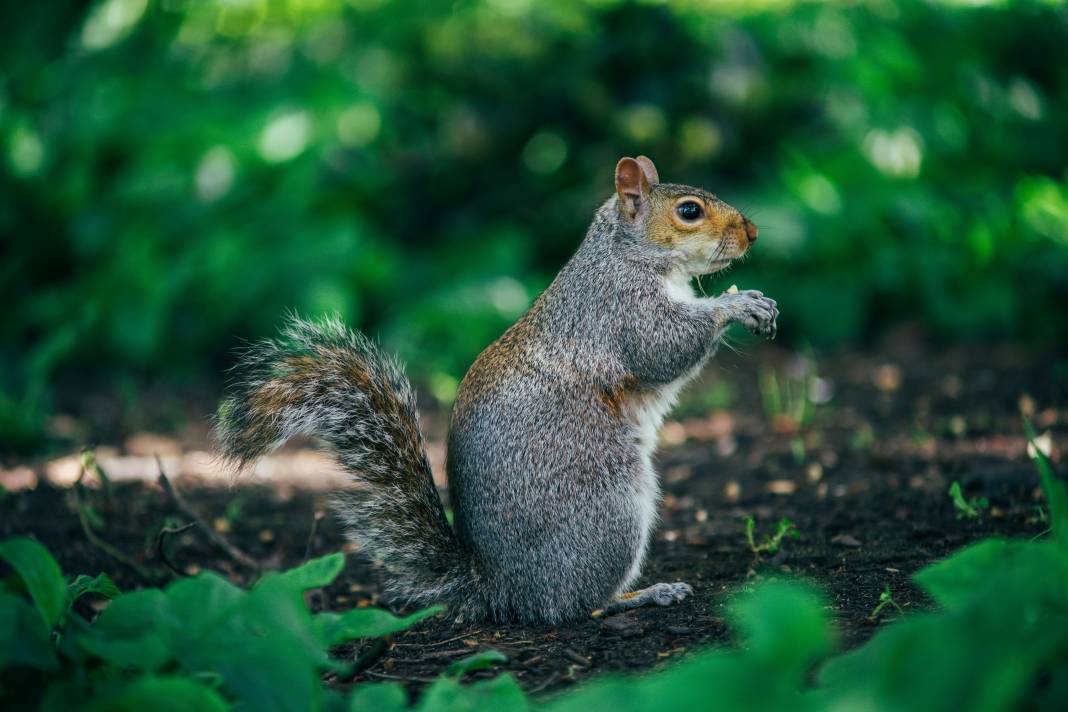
553,429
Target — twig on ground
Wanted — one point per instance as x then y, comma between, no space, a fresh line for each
365,660
449,653
575,657
440,642
402,678
371,656
163,533
218,539
552,678
81,508
311,534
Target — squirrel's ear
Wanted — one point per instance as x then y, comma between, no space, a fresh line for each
632,186
648,169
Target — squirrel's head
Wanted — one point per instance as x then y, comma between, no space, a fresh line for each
705,232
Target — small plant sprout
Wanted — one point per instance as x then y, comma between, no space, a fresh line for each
885,599
1038,515
89,466
770,544
1039,449
966,508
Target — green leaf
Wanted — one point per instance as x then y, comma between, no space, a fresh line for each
378,697
997,564
161,694
264,647
1055,489
316,573
200,601
1001,626
956,579
1053,696
40,574
337,628
784,629
24,640
101,585
135,631
448,695
479,661
783,624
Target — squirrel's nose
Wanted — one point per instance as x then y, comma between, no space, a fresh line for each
750,230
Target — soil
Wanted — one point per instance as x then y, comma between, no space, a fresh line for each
863,477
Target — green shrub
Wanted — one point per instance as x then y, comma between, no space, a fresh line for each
200,643
175,177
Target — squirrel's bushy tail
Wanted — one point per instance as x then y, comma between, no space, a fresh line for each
321,379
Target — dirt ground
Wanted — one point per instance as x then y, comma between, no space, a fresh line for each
863,475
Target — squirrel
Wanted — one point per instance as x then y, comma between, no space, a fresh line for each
553,429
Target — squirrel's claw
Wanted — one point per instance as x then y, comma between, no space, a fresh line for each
757,313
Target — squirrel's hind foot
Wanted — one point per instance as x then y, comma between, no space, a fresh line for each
659,594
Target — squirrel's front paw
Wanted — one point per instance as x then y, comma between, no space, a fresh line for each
754,311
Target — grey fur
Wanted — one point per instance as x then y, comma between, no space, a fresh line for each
550,445
550,491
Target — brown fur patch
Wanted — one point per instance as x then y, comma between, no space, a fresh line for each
614,398
272,396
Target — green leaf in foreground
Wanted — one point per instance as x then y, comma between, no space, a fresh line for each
134,631
784,629
24,640
100,585
448,695
161,694
315,573
40,574
1055,489
264,647
782,623
1003,622
201,603
479,661
337,628
378,697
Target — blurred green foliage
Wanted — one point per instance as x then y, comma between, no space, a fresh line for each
176,174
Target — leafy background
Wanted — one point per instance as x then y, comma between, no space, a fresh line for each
175,174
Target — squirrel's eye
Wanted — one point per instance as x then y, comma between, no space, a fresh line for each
689,211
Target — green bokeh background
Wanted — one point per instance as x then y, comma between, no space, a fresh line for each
175,174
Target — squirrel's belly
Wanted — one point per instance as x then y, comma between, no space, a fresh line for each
647,414
648,411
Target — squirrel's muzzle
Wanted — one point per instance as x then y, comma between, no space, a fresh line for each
751,230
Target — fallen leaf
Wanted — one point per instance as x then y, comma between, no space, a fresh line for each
845,540
782,487
887,377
